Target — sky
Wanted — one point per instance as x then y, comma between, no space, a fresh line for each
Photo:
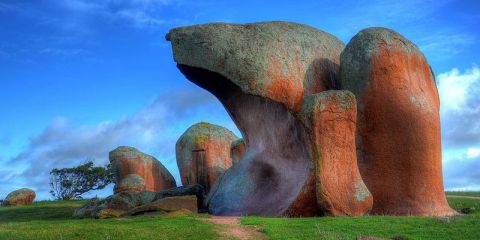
81,77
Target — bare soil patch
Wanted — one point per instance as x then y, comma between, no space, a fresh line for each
230,228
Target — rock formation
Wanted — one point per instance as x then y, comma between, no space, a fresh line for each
133,203
131,183
19,197
262,73
136,171
203,153
398,139
168,204
237,150
330,117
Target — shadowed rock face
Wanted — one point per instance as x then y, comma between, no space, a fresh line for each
203,153
261,74
398,139
19,197
136,171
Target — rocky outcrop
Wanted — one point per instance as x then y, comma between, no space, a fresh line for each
237,150
261,73
203,153
136,171
168,204
398,138
134,203
331,119
19,197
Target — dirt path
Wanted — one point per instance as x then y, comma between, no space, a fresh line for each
230,227
458,196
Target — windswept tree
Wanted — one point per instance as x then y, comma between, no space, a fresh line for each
71,183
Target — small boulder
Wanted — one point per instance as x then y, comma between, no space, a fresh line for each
467,210
19,197
136,171
203,153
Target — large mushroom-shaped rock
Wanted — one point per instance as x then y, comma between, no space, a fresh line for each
237,150
331,120
136,171
203,153
19,197
398,126
261,73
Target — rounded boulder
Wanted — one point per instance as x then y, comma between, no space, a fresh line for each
398,126
19,197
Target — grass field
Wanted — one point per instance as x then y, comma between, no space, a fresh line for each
52,220
469,194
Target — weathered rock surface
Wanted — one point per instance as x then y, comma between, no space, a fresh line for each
133,203
168,204
136,171
131,183
19,197
203,153
331,119
261,74
178,213
398,141
237,150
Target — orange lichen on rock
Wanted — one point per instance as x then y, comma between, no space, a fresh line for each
136,171
330,117
399,142
204,153
19,197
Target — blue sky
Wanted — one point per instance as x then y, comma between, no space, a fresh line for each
80,77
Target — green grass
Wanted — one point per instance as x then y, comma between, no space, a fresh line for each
53,220
469,194
460,227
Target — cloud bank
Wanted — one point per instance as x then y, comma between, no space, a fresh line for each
153,130
460,115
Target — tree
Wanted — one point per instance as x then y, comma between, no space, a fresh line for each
71,183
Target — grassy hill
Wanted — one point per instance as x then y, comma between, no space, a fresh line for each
52,220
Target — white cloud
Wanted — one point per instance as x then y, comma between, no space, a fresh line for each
473,152
444,45
4,7
455,88
63,51
138,13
